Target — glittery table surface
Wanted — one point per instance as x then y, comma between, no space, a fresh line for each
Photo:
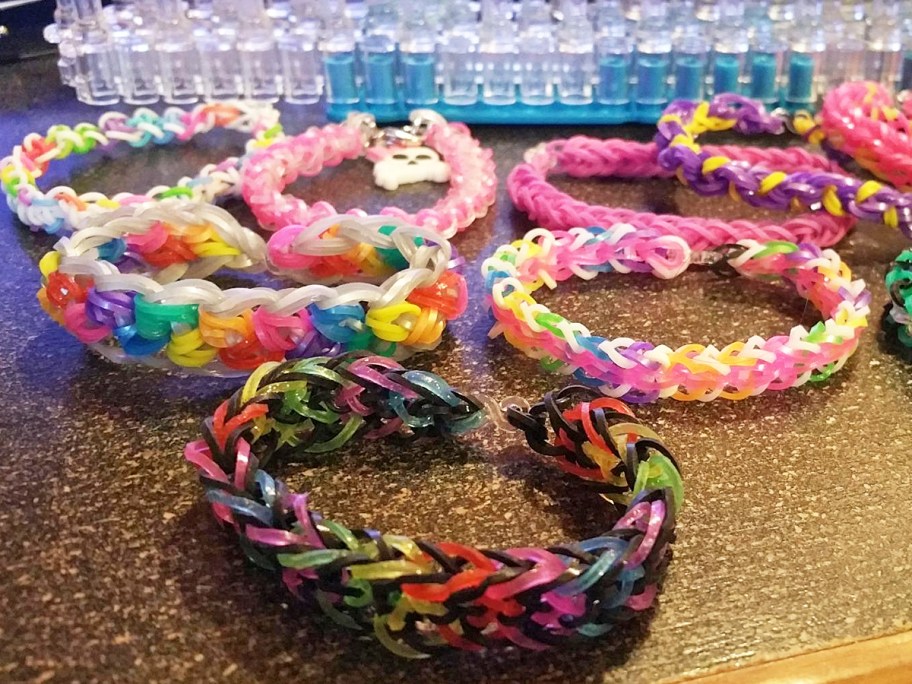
794,535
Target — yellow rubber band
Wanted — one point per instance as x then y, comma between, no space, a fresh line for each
188,349
867,189
49,263
713,163
831,201
771,181
682,140
381,321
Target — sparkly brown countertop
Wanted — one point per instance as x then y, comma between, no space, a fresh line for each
794,535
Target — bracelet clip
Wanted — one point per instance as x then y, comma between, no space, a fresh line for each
392,136
497,410
412,134
717,259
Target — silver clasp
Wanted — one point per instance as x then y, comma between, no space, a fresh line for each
422,119
392,136
412,134
718,259
364,123
706,258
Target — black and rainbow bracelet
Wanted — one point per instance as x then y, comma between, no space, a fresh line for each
418,597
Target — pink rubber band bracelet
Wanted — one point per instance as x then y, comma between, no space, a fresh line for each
584,157
863,120
430,148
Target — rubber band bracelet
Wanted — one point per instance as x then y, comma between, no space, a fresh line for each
758,184
584,157
419,597
861,119
62,209
132,290
642,372
429,148
861,122
897,316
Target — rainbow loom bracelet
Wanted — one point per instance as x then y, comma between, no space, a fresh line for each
439,150
860,119
132,289
62,209
757,184
642,372
897,316
418,597
584,157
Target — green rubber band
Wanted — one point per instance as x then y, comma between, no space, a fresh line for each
273,131
177,191
776,247
310,559
551,364
155,321
817,334
345,434
550,320
366,597
903,335
334,613
343,533
397,647
64,147
383,348
824,373
255,555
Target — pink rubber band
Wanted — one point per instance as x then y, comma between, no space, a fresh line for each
642,601
656,517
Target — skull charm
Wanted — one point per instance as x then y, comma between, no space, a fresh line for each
400,165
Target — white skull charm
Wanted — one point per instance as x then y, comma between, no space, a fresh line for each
399,165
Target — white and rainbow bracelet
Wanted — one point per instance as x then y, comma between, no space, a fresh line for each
134,289
61,209
639,371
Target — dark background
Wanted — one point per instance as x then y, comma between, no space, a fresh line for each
794,534
22,30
